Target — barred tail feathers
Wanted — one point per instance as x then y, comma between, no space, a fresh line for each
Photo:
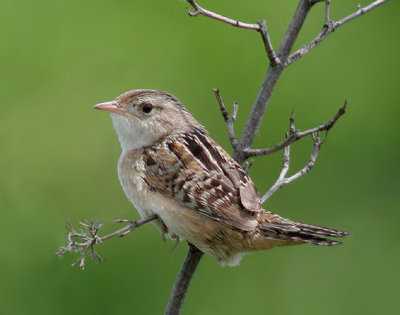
273,226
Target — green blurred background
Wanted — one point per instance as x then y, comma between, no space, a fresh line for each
58,156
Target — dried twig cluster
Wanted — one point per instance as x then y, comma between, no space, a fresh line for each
85,240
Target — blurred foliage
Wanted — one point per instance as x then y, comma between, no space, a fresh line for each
58,156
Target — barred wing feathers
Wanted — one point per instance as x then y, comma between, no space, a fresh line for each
195,171
274,226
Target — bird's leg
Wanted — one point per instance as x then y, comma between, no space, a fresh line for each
176,240
164,229
85,240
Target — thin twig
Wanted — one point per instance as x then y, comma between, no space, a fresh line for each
282,179
327,12
182,282
295,134
268,44
329,27
129,228
260,26
247,165
198,10
85,240
229,119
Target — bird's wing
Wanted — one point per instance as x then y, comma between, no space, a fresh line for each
196,172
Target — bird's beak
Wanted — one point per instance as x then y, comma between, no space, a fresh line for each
111,106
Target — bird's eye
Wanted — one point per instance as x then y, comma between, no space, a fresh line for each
147,108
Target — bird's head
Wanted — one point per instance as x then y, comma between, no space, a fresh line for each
144,117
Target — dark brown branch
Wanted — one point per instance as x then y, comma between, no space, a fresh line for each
329,27
86,240
182,282
282,179
229,119
295,134
261,27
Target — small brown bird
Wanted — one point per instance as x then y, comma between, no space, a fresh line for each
170,167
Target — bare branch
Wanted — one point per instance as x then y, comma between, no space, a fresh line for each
235,110
261,27
198,10
229,119
182,282
85,240
329,27
247,165
327,12
295,134
286,162
268,44
282,179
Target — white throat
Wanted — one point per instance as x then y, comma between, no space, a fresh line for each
132,135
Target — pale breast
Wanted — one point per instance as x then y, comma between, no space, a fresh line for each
131,177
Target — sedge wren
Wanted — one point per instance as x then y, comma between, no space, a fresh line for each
171,168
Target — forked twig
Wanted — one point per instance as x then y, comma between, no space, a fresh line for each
198,10
282,179
260,26
229,119
329,27
273,58
295,134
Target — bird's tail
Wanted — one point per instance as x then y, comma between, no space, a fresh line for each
275,227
